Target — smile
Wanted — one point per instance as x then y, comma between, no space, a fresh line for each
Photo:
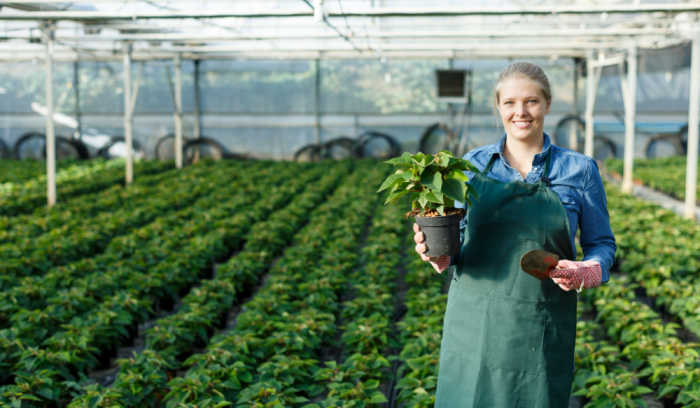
522,124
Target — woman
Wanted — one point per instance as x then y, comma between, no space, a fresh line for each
508,338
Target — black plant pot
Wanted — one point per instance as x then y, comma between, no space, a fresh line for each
441,234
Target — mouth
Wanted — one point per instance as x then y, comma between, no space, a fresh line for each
522,124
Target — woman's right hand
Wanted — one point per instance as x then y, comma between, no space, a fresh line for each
439,263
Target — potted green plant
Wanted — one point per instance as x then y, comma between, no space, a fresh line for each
432,183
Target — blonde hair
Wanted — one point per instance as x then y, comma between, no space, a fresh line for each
529,71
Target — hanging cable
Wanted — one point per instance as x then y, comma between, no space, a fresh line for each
334,28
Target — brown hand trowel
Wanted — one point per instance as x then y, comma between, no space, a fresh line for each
539,263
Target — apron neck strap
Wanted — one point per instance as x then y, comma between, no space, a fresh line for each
545,171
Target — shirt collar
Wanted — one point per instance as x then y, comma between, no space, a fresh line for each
539,157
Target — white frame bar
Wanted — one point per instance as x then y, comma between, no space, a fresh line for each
50,131
128,115
630,117
178,111
691,175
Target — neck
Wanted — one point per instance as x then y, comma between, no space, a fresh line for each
520,153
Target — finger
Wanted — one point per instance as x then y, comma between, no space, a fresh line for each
416,228
418,237
421,248
424,257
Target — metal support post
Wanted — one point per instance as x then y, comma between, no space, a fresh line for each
630,118
197,109
50,132
178,111
317,101
573,135
591,85
128,115
691,174
76,87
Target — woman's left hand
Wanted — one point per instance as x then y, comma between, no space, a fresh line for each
574,275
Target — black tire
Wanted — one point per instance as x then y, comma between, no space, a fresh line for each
308,153
165,149
664,145
561,132
104,150
435,138
604,148
339,148
69,149
377,145
683,136
4,150
33,145
207,149
29,145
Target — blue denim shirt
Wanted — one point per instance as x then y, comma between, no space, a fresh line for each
574,177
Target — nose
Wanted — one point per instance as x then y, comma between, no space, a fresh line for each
521,109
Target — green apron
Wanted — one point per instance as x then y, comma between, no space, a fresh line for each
508,338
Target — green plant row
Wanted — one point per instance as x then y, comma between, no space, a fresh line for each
666,175
174,337
71,353
123,266
15,172
661,252
141,249
603,375
669,366
420,333
63,246
363,373
19,229
32,196
279,332
33,317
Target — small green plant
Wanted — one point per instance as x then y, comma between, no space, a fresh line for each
431,182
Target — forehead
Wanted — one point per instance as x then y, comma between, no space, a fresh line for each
519,86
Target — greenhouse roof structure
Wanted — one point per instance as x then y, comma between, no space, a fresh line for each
340,28
603,33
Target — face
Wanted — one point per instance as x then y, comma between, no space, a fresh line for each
522,107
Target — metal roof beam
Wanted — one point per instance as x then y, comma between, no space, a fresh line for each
356,12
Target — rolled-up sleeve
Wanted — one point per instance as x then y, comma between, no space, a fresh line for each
597,240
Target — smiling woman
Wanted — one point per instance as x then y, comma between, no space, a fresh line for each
508,337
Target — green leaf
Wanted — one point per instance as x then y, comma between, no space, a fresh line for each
395,196
458,175
432,179
455,189
395,179
377,398
406,159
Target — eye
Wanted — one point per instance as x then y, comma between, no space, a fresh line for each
533,101
508,102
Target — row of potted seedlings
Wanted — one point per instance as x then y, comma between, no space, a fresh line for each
32,195
270,353
43,304
604,377
62,246
33,292
96,334
660,359
661,252
143,379
663,174
420,333
19,228
362,375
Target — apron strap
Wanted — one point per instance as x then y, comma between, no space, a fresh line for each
487,169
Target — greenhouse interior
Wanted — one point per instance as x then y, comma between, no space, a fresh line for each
158,251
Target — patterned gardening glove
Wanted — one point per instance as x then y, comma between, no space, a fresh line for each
577,275
439,263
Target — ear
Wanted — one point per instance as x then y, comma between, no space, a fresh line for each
549,104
